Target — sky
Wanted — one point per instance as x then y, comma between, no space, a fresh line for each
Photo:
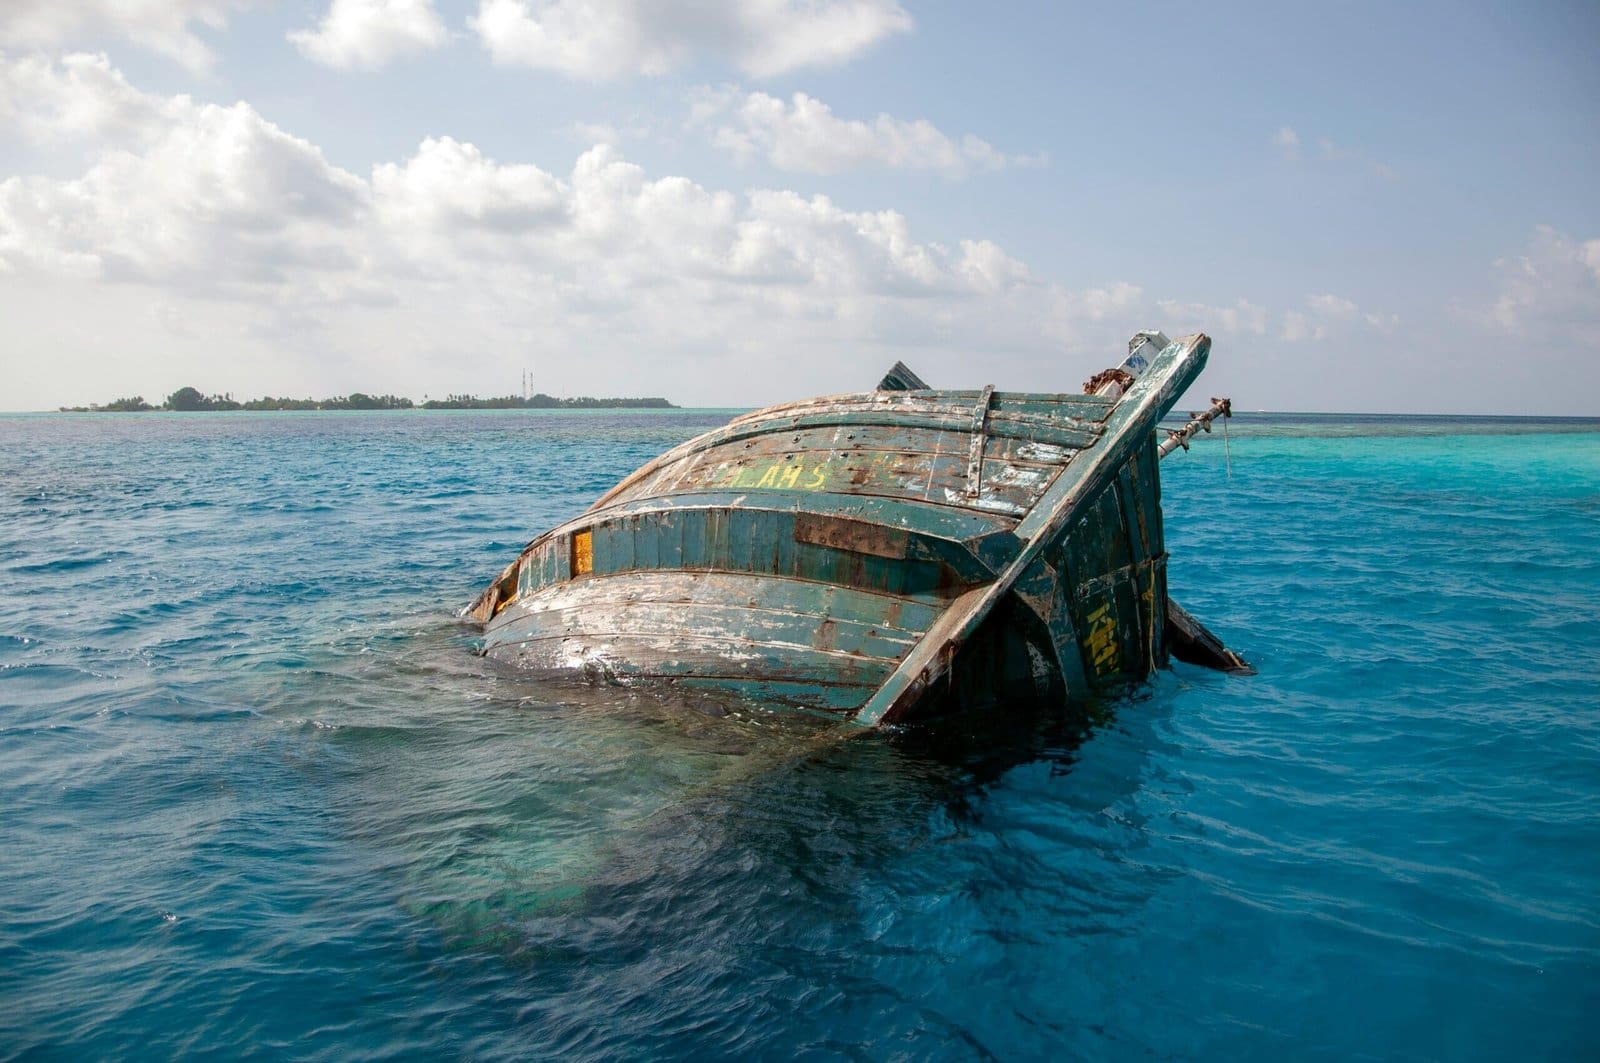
1368,207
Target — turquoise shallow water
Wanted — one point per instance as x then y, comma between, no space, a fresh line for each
258,796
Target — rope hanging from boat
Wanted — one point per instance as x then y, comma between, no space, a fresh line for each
1227,450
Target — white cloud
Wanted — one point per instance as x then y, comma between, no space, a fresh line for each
1323,312
201,195
778,36
804,135
1322,315
604,39
597,132
1327,313
219,200
1243,317
1553,285
1591,257
987,266
163,26
448,196
1119,299
212,228
1333,306
1298,327
367,34
78,98
1332,152
1288,141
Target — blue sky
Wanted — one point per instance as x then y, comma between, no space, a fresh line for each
1368,207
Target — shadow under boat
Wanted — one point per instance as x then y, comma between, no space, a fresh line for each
882,557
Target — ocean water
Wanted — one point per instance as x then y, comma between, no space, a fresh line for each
258,797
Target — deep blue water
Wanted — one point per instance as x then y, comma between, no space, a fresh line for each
259,797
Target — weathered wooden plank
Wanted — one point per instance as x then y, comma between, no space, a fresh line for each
1045,404
907,464
657,654
1009,487
1041,404
501,592
1147,511
1071,431
766,540
1094,546
893,616
719,630
1066,430
1046,590
1095,543
946,550
906,439
901,378
980,432
1194,643
738,621
1064,433
924,519
1137,622
855,536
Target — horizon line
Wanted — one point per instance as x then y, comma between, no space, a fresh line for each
673,408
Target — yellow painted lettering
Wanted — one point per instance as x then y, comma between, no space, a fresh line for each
791,476
817,478
769,478
1102,640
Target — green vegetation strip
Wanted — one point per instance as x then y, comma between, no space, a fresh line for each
192,400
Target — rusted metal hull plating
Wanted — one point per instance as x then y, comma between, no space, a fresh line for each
876,555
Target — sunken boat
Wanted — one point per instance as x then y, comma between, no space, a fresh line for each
883,556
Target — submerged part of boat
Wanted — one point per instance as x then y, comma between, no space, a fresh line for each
882,555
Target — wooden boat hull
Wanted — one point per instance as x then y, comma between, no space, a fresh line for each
877,555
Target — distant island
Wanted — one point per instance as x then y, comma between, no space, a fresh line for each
191,400
544,402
